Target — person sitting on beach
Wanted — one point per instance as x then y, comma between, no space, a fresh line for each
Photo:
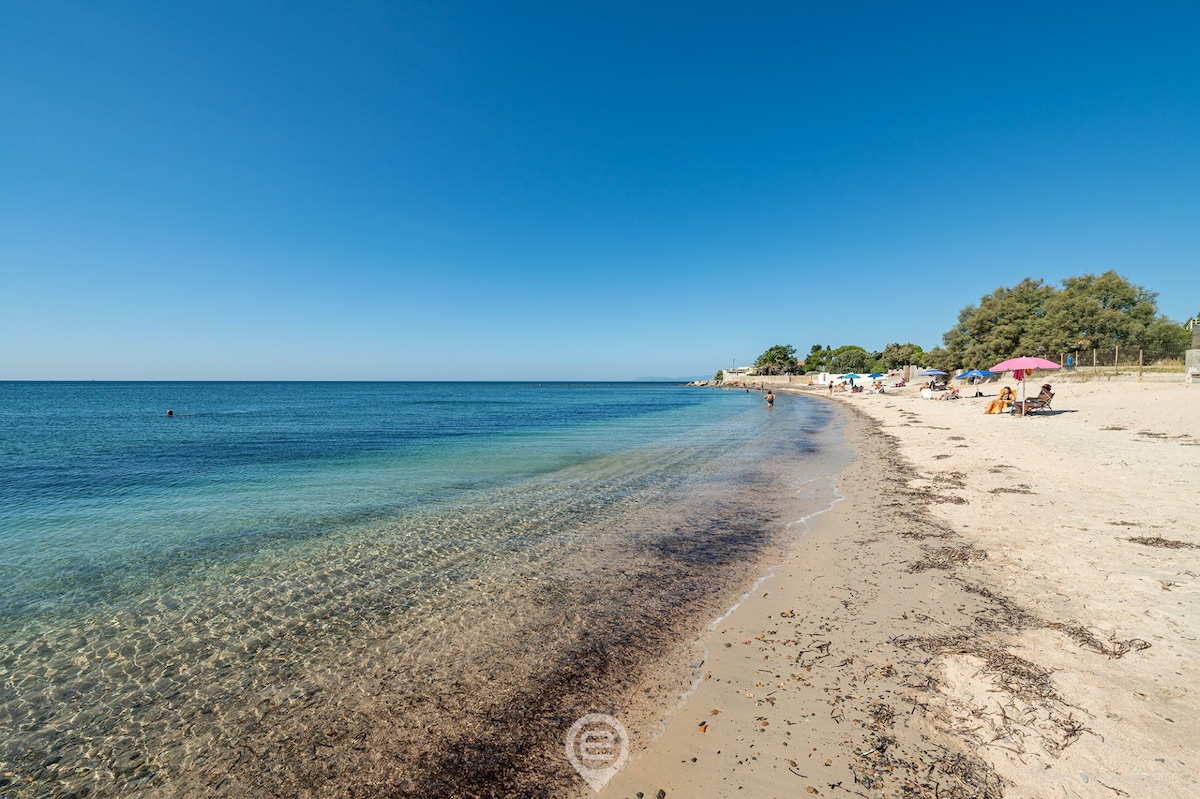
951,394
1042,401
1001,403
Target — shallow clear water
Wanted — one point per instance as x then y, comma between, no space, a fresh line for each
288,586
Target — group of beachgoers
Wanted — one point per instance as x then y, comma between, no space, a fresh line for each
1002,404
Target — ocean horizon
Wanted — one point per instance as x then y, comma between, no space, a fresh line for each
408,587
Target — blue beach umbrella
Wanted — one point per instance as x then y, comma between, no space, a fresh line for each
931,373
974,373
874,375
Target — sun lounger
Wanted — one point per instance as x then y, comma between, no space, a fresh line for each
1029,406
1042,403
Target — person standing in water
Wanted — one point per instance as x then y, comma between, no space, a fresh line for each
770,398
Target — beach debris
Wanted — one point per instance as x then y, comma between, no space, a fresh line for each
948,557
1162,543
703,726
1114,648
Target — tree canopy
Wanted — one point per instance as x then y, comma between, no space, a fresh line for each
896,355
1032,318
778,360
852,358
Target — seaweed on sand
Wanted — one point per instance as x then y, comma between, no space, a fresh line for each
1162,543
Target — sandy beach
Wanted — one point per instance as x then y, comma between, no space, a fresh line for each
999,606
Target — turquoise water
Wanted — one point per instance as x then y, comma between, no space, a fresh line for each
286,586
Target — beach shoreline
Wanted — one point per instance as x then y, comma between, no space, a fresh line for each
972,619
366,630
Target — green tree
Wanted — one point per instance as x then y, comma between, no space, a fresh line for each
1163,338
818,358
944,359
850,358
1031,318
1007,322
1100,312
778,360
896,355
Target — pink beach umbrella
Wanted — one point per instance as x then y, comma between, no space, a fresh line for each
1024,364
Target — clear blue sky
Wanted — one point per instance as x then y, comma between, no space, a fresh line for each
609,190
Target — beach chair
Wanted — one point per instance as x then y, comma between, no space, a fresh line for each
1041,403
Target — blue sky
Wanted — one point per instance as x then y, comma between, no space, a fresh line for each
402,190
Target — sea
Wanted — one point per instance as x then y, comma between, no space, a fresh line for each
372,589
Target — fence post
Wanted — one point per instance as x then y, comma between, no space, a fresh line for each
1116,358
1141,352
1093,360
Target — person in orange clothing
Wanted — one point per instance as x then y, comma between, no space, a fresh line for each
1001,403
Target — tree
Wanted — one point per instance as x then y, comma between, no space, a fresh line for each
780,359
850,358
1163,338
818,358
1099,312
896,355
1007,322
939,358
1031,318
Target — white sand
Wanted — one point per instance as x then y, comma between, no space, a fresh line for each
973,619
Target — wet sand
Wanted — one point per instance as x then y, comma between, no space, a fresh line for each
999,607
